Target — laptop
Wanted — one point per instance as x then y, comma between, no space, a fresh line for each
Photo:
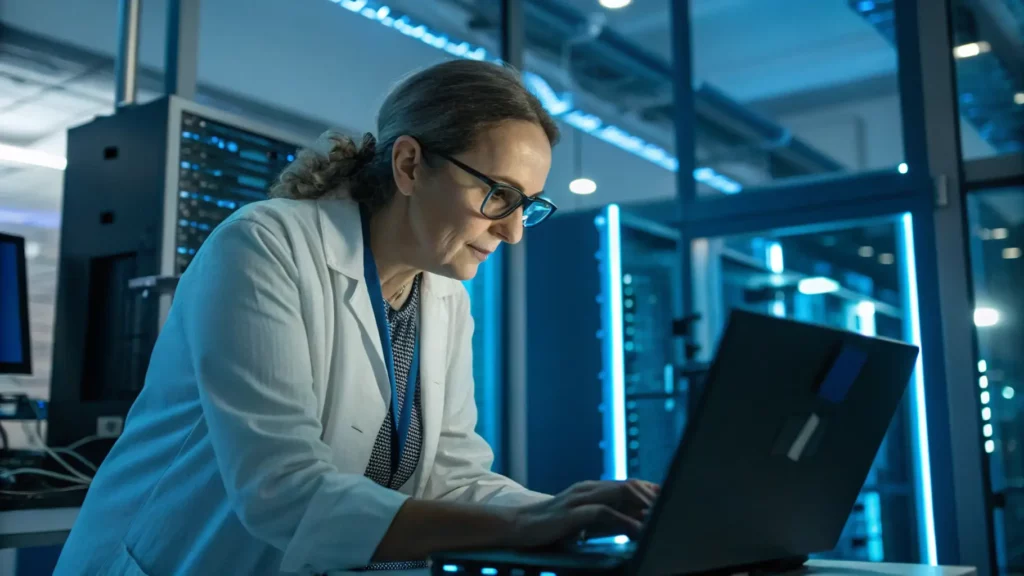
769,468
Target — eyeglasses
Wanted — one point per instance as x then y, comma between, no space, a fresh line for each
502,199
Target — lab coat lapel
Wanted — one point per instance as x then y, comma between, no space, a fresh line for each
361,306
342,232
433,369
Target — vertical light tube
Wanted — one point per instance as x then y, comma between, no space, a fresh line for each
614,359
919,415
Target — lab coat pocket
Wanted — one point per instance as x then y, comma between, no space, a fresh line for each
123,564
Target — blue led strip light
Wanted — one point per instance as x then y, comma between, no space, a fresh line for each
922,458
559,105
614,359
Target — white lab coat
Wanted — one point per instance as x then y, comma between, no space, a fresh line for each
245,452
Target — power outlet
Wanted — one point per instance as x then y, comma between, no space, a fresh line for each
109,426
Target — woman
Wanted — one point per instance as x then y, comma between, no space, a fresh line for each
309,402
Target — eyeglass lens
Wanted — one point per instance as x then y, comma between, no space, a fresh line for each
503,200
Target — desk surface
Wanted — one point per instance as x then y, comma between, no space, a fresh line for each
35,526
39,527
814,568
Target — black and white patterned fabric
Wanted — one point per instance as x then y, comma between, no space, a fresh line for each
404,325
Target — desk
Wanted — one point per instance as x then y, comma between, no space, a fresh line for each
35,526
813,568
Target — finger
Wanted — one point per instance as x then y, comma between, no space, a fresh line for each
579,488
623,496
641,493
649,489
601,520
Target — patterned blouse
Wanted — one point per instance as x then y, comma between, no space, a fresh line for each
404,324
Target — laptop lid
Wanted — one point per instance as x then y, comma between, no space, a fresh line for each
783,439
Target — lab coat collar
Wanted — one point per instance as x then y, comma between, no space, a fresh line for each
342,233
341,229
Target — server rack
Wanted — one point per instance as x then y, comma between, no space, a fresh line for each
143,189
606,393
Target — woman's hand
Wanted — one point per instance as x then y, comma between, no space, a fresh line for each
592,508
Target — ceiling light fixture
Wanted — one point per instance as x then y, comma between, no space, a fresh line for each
1018,98
886,258
1000,233
1011,253
26,156
866,251
580,185
615,4
903,168
583,186
971,50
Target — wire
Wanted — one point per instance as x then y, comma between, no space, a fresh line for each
41,472
79,443
41,492
49,452
84,461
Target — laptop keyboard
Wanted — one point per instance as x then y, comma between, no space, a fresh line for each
605,548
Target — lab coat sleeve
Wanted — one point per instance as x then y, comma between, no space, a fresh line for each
248,343
462,467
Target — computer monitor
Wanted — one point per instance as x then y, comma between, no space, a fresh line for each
15,350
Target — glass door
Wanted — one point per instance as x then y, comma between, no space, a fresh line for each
855,276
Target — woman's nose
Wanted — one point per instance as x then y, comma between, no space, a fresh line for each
510,228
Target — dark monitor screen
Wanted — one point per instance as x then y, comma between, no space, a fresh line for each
15,352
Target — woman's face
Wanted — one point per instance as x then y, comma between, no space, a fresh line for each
452,236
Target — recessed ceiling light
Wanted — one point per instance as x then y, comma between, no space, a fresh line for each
615,4
903,168
865,251
1011,253
985,234
1018,98
583,186
1000,234
886,258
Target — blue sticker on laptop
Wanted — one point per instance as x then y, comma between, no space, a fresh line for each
842,374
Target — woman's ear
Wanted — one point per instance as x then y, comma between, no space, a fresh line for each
406,164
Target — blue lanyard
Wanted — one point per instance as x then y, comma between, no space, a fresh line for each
400,421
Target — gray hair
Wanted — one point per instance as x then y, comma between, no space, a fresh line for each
445,107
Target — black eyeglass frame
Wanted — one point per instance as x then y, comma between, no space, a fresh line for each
524,201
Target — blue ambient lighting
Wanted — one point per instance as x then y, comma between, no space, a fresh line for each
873,518
450,568
489,571
922,459
866,318
30,218
817,285
547,574
559,105
776,263
611,326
